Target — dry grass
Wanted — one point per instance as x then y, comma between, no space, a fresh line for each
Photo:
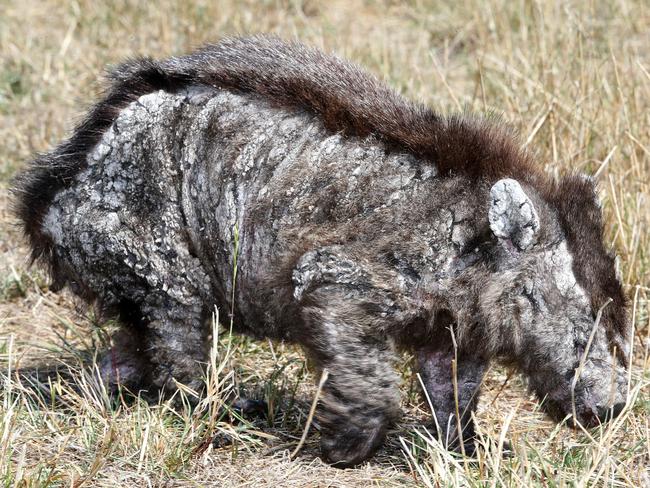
574,77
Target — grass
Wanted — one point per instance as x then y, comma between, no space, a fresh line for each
573,78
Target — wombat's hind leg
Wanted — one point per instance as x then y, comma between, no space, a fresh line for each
124,364
176,343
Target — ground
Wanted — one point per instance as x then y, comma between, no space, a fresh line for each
572,77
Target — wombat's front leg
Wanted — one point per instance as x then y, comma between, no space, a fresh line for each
360,397
451,398
176,344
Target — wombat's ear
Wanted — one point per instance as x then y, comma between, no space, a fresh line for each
512,215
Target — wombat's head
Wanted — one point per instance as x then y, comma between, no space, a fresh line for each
553,302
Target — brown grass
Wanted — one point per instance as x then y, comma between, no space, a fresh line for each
573,77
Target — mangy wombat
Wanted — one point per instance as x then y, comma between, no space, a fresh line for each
363,223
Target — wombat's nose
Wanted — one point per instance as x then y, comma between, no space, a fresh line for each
605,414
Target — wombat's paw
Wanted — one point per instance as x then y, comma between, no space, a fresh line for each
469,448
351,446
246,407
120,369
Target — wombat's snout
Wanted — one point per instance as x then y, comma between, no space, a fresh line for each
608,413
601,414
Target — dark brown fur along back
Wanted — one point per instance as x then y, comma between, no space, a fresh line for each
352,101
346,97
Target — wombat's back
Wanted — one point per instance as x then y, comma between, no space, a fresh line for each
347,100
194,182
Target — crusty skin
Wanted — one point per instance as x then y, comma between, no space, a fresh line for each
359,224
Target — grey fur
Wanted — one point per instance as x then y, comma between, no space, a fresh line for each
346,245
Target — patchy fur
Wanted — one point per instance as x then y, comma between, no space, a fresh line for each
359,222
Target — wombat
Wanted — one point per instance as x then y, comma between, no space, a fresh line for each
304,197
